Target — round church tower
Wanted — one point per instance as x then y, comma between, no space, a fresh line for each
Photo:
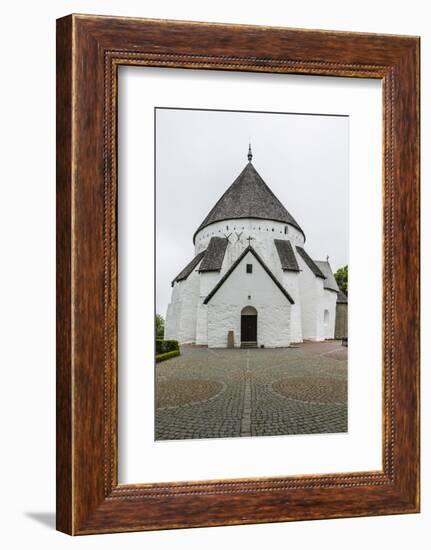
249,213
251,282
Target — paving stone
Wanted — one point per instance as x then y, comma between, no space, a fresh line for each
208,393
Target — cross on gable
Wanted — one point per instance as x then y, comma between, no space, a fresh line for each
249,239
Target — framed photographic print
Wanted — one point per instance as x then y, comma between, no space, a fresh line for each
237,274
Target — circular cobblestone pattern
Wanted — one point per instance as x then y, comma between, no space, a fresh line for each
176,393
206,393
312,389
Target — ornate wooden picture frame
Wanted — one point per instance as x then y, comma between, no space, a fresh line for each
89,51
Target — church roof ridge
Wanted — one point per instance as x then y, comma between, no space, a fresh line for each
248,197
232,268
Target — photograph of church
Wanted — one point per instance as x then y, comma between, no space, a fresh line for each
251,278
251,282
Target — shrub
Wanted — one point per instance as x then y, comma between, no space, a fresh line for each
160,327
165,346
167,355
341,276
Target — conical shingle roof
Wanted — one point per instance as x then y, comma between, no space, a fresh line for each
249,197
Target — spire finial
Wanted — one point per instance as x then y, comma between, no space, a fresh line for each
250,154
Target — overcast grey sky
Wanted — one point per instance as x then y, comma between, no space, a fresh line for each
304,159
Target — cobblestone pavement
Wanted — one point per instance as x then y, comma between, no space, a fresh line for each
208,393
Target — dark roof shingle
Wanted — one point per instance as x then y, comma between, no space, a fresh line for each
287,255
311,264
189,268
330,282
214,255
248,197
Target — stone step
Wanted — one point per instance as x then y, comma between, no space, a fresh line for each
249,344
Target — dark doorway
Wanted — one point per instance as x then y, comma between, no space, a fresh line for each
249,326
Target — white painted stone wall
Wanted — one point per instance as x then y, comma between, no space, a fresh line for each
173,315
207,283
262,232
189,298
273,308
222,318
329,304
201,323
311,298
290,281
181,315
320,302
279,323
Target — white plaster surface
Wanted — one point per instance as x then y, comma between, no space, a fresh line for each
262,232
311,292
255,289
290,280
189,320
330,304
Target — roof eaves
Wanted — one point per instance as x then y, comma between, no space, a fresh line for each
270,206
248,217
185,272
311,264
330,281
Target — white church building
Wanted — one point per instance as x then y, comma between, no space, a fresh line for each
251,282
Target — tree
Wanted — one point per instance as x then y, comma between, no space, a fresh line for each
160,327
341,276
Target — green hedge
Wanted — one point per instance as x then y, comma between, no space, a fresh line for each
165,346
167,355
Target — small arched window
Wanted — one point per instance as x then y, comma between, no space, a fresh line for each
285,229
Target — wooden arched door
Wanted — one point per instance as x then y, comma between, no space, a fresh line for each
249,327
